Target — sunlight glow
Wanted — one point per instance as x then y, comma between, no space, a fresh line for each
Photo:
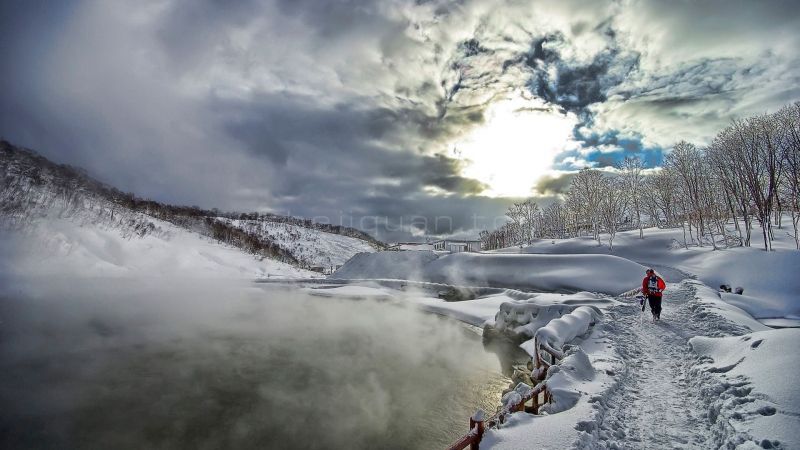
516,146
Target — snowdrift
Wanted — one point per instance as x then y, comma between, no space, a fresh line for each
555,273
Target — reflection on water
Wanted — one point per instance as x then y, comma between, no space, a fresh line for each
234,367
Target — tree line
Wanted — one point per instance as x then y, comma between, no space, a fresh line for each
748,174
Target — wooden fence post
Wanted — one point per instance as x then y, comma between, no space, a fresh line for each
477,421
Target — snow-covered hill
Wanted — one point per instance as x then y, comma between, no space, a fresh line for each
314,247
85,245
57,219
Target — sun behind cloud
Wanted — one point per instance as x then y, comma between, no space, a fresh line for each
516,146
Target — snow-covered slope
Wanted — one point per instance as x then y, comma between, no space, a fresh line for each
57,219
63,246
313,247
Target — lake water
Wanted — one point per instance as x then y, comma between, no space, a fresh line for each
126,364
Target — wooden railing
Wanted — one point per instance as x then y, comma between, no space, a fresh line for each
478,424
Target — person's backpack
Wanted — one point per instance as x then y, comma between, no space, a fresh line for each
652,285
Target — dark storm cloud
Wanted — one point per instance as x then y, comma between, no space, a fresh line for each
351,108
575,86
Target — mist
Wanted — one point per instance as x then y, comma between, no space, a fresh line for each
116,363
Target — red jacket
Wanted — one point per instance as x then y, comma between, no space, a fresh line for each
659,282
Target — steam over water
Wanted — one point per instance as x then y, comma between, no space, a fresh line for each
111,364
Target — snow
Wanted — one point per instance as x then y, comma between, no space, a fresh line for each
564,329
760,393
61,246
760,308
576,384
560,273
627,373
315,247
769,279
713,302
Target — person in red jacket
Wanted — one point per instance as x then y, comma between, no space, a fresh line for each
652,287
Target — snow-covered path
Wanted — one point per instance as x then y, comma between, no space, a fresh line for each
658,403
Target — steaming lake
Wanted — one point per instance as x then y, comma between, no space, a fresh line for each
125,364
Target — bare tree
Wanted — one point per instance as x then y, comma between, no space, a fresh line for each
759,166
659,198
790,119
631,172
613,206
585,191
685,162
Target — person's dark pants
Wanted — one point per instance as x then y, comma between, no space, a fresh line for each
655,304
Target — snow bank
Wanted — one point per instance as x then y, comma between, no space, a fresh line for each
759,397
560,331
559,273
597,273
563,380
486,310
763,308
527,317
711,302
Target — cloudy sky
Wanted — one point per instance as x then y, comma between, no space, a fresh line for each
389,110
